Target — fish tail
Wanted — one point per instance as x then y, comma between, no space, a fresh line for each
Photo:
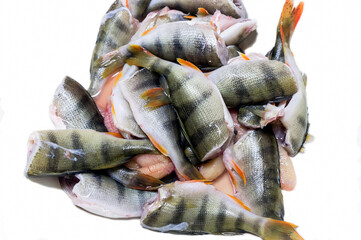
279,230
140,57
289,19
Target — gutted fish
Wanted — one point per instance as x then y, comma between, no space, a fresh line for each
198,208
154,165
59,152
134,179
253,165
295,118
116,29
202,112
232,8
287,171
239,129
252,82
103,196
212,169
195,42
73,107
157,118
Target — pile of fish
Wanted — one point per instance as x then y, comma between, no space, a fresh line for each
174,104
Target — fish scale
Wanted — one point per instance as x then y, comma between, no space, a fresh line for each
254,82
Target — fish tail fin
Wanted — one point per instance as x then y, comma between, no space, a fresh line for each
279,230
289,19
140,57
108,64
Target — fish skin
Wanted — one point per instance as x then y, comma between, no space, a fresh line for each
227,7
117,28
256,154
254,82
200,107
295,120
115,5
134,179
158,123
198,208
251,116
234,51
194,42
103,196
238,32
60,152
73,107
138,7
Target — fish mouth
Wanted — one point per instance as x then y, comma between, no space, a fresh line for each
67,183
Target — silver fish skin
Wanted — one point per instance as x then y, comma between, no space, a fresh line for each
134,179
121,112
203,114
116,4
238,32
295,120
159,123
235,9
138,7
73,107
256,154
254,82
197,208
251,116
198,43
117,28
103,196
60,152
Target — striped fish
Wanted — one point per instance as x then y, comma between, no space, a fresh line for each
198,208
59,152
103,196
160,122
253,82
200,107
116,29
234,8
195,42
137,7
295,119
253,165
73,107
134,179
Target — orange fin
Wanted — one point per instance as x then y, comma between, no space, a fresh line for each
202,12
188,64
239,202
189,17
158,146
207,74
239,171
208,182
118,135
289,19
244,56
151,93
127,3
156,103
233,180
119,76
113,110
148,30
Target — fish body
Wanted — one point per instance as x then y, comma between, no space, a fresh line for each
295,119
159,123
252,82
233,51
203,114
59,152
194,42
235,9
238,32
73,107
256,154
117,28
198,208
103,196
138,7
121,112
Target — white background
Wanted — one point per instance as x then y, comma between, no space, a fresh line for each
41,41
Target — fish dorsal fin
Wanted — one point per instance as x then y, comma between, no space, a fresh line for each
148,31
187,64
239,202
244,56
202,12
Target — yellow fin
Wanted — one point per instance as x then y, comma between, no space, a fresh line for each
188,64
202,12
158,146
151,93
157,102
244,56
148,30
309,138
119,76
239,171
239,202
